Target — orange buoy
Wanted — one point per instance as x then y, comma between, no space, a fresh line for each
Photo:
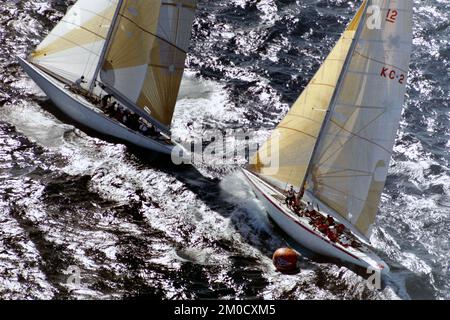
285,260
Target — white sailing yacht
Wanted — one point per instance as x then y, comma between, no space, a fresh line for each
335,144
133,50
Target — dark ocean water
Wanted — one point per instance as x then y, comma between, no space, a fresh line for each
68,198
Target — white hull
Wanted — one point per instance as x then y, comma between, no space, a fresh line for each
80,110
299,229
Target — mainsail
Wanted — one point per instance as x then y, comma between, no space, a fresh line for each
346,161
146,57
349,169
73,48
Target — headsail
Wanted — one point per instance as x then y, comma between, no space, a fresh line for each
350,166
72,49
297,133
146,57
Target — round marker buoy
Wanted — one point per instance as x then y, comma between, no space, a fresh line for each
285,260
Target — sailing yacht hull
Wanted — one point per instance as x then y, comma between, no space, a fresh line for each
84,113
299,229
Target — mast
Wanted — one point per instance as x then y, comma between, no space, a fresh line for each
106,45
334,97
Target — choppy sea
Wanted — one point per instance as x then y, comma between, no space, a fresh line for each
68,198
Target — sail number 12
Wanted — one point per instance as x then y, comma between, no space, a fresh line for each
389,73
392,15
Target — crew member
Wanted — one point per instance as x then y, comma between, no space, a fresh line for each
111,108
143,128
79,82
104,102
309,208
290,196
329,220
152,131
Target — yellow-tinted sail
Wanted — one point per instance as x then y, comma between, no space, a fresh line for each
145,60
72,49
285,157
349,169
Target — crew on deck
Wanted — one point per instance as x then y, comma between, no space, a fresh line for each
143,129
79,82
104,102
127,117
114,110
328,226
290,198
309,208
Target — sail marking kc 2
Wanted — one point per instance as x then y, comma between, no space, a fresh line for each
349,169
